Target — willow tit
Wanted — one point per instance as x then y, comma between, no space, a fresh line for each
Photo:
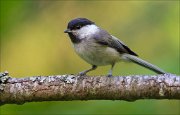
97,47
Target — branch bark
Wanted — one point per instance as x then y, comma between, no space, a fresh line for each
73,87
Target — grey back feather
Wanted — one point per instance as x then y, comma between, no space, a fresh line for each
104,38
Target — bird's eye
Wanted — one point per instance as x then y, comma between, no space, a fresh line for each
78,26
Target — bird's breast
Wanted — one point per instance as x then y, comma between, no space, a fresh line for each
96,54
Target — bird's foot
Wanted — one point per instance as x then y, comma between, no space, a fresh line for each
82,73
109,75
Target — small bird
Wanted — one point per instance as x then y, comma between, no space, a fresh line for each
99,48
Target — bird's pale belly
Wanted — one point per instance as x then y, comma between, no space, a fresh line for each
97,54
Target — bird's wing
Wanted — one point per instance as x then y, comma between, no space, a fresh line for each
104,38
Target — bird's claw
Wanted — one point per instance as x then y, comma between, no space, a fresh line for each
82,73
109,75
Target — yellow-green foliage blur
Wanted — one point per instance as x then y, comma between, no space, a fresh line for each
33,43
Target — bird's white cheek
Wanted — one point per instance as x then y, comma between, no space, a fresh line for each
87,31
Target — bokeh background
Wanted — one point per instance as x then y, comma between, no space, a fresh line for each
33,43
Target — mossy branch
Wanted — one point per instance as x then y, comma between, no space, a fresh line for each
73,87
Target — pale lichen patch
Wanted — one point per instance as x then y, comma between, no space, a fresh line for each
161,92
33,79
4,76
70,79
42,79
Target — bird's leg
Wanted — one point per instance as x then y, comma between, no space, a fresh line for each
86,71
110,71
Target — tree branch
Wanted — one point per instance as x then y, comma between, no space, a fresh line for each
73,87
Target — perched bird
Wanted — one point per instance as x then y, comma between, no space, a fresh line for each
98,48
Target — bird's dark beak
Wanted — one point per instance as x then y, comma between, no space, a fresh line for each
67,31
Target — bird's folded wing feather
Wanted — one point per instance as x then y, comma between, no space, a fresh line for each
106,39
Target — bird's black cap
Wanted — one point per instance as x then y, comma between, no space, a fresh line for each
78,22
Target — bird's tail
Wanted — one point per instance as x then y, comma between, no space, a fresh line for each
143,63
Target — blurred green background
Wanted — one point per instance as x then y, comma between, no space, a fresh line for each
33,43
